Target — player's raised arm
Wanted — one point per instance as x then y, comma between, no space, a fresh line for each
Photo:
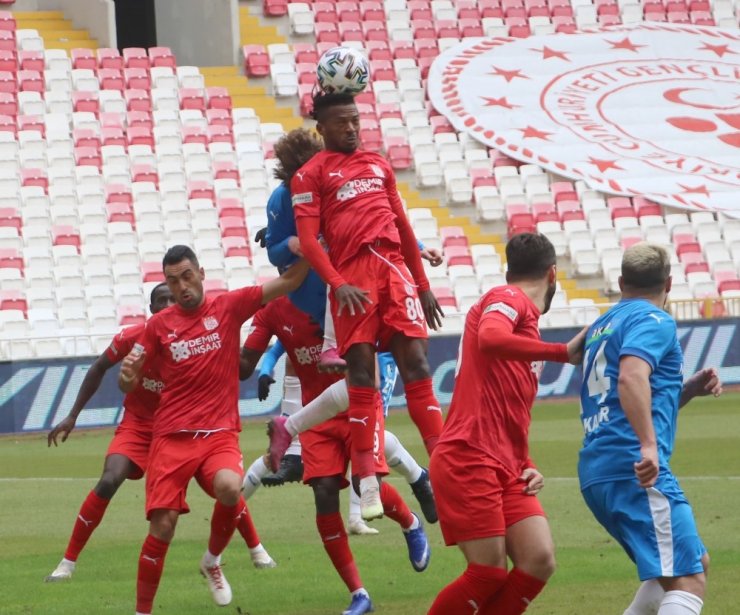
90,384
635,397
289,281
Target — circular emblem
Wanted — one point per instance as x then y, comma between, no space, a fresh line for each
651,110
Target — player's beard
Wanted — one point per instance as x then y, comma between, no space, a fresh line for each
551,289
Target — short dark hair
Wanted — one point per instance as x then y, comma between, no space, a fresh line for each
529,256
323,101
178,253
153,294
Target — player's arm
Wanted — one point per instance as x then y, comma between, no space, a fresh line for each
497,339
281,237
289,281
635,397
90,384
248,362
704,382
412,256
130,374
267,368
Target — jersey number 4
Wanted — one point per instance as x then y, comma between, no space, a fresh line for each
598,382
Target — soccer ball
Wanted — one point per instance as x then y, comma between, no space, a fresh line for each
343,70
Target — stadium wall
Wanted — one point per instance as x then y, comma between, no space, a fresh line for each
199,33
35,395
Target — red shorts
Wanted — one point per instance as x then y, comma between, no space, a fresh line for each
176,458
476,497
395,306
132,439
325,449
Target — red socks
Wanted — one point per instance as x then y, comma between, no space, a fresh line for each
151,564
223,523
469,592
425,411
331,530
245,526
89,517
514,598
394,506
362,419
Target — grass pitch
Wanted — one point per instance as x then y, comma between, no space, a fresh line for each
41,490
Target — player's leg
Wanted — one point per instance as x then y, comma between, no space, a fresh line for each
424,409
363,407
281,431
330,360
254,475
162,523
401,461
470,516
647,599
291,468
117,468
221,469
331,529
529,545
684,595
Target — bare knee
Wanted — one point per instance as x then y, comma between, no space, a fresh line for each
162,524
539,563
108,484
227,486
412,361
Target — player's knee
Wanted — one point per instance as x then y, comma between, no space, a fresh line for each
162,526
358,376
228,493
326,496
109,483
414,366
540,563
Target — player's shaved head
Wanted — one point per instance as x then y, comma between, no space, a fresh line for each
293,151
160,298
529,256
646,268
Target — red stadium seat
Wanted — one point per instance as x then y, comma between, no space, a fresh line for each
326,32
63,235
8,124
140,135
219,117
192,99
32,122
84,137
120,212
138,100
351,31
236,245
375,31
111,79
230,208
218,98
88,157
233,227
445,297
31,60
11,217
348,11
140,119
214,288
8,82
13,300
35,177
86,101
219,134
372,11
8,61
113,135
201,190
226,170
453,236
118,193
7,21
256,61
144,173
152,272
136,57
688,248
371,139
727,285
698,267
162,56
137,78
275,8
521,223
129,315
399,154
324,12
109,58
10,258
194,134
378,50
8,104
84,58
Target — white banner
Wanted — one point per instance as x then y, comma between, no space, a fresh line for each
650,110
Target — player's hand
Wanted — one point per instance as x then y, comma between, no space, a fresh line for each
704,382
64,428
534,481
351,298
294,245
576,347
432,310
263,386
261,237
648,467
131,365
433,255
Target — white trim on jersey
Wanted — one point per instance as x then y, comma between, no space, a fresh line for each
392,266
660,509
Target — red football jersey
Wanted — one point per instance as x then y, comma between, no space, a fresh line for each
492,398
351,194
144,399
197,353
302,339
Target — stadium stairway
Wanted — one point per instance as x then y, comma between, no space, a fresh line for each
56,31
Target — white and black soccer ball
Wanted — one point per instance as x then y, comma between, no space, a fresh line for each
343,70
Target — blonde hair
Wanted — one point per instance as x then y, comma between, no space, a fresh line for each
645,267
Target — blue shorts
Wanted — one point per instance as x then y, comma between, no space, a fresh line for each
655,526
388,376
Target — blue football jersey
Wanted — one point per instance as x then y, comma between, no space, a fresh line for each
633,327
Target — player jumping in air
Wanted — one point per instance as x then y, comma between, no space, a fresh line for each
195,346
380,295
128,452
325,449
484,481
631,392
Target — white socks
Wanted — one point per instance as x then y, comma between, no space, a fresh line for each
291,395
210,560
680,603
253,477
400,460
331,402
330,338
647,599
354,504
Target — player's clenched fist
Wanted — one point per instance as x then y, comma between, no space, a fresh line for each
130,368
